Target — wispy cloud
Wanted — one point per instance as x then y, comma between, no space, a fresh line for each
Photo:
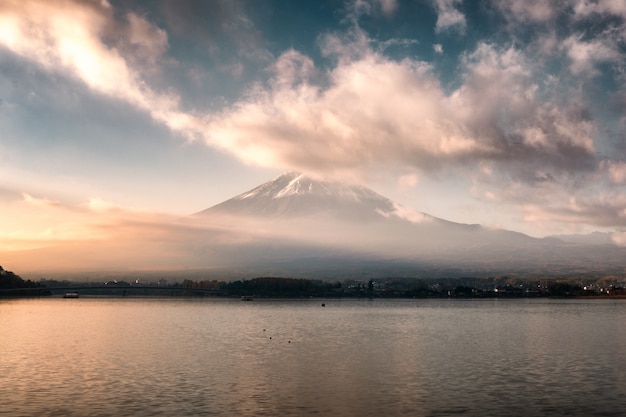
616,171
602,7
606,210
526,11
585,56
40,202
356,8
69,37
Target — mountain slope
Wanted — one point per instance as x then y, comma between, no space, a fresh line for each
301,227
333,214
295,195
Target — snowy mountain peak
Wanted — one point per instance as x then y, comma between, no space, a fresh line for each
298,185
296,194
283,185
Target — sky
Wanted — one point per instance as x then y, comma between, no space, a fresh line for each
506,113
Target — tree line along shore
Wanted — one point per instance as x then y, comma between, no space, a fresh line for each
11,285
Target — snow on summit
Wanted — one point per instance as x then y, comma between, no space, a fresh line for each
296,194
296,186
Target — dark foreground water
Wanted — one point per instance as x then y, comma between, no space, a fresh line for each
212,357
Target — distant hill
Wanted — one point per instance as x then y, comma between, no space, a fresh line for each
595,238
9,280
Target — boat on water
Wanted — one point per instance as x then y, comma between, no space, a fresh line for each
70,295
246,298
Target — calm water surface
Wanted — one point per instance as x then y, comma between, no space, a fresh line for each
215,357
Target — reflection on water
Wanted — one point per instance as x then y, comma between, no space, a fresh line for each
170,357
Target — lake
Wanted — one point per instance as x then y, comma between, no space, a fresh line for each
222,357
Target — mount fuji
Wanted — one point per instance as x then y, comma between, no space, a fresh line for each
300,223
299,226
300,201
295,195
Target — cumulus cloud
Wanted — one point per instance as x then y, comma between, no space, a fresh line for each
357,8
585,55
448,16
524,11
616,171
351,123
602,210
373,111
610,7
147,43
291,69
588,32
599,41
388,6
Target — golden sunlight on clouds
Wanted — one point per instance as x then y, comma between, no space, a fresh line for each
69,37
42,202
38,233
99,205
35,222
